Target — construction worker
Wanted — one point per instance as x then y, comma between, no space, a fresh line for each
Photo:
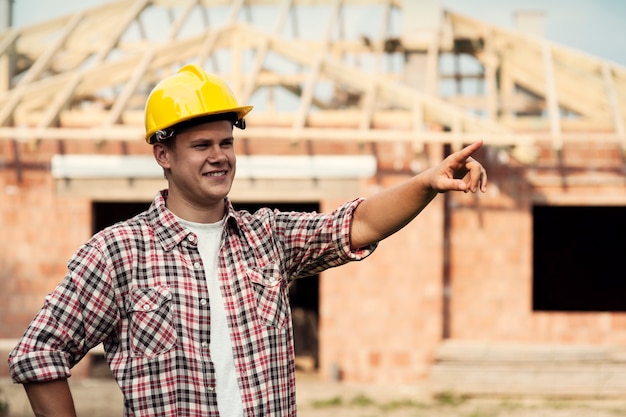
190,297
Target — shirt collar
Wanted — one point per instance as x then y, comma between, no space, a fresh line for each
168,229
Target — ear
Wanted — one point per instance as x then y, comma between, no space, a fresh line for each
161,155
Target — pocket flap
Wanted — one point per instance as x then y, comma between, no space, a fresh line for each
148,299
267,275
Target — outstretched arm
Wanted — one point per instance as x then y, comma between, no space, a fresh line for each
385,213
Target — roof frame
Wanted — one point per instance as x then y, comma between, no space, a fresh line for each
84,64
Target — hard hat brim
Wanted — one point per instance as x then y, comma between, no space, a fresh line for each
240,112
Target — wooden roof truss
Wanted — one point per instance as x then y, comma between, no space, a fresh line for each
314,70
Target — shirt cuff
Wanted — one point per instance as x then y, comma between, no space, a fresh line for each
344,231
39,366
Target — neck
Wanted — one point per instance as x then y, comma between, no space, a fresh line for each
210,213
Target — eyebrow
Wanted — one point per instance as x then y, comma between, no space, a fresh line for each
205,140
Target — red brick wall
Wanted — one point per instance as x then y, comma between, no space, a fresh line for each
491,269
492,250
492,280
380,319
39,234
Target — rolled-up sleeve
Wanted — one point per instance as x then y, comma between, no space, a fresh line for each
38,356
314,242
75,317
342,220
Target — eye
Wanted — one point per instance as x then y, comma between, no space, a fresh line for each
227,143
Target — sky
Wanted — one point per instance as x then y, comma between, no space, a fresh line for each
597,27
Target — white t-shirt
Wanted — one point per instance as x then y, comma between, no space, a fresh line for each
227,387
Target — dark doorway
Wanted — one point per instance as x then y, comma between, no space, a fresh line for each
579,258
107,214
303,297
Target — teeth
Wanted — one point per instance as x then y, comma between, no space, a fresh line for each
215,174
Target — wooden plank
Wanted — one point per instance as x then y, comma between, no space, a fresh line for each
476,368
490,63
134,133
540,126
584,99
554,113
309,87
325,59
261,52
398,95
616,112
368,101
432,65
63,97
8,40
7,45
129,88
40,65
140,69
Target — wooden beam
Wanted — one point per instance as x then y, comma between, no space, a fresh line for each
261,52
554,114
337,118
40,65
616,112
8,40
541,125
309,87
576,93
490,63
140,69
7,46
212,36
135,133
398,95
432,65
129,88
368,104
578,84
64,96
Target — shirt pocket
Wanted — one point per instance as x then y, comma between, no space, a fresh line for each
151,329
272,302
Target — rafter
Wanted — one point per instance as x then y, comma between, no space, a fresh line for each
85,75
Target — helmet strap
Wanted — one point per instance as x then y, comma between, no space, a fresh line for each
163,135
241,124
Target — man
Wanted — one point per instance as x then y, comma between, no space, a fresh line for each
190,298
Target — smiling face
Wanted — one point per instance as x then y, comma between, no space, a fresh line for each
200,169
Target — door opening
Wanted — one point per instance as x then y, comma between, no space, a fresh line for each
303,297
578,258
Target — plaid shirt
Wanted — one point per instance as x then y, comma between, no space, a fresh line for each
139,288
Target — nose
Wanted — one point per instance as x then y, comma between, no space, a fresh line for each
216,155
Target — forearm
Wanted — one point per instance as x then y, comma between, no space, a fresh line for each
387,212
50,399
383,214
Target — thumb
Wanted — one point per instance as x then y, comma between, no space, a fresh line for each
450,184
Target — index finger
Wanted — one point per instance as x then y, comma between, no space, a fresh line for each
468,150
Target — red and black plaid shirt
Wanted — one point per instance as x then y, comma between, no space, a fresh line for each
139,288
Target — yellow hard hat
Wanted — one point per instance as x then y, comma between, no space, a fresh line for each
189,94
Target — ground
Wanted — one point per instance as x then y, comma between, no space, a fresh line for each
100,397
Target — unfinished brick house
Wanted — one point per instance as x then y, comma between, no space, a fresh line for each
350,96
